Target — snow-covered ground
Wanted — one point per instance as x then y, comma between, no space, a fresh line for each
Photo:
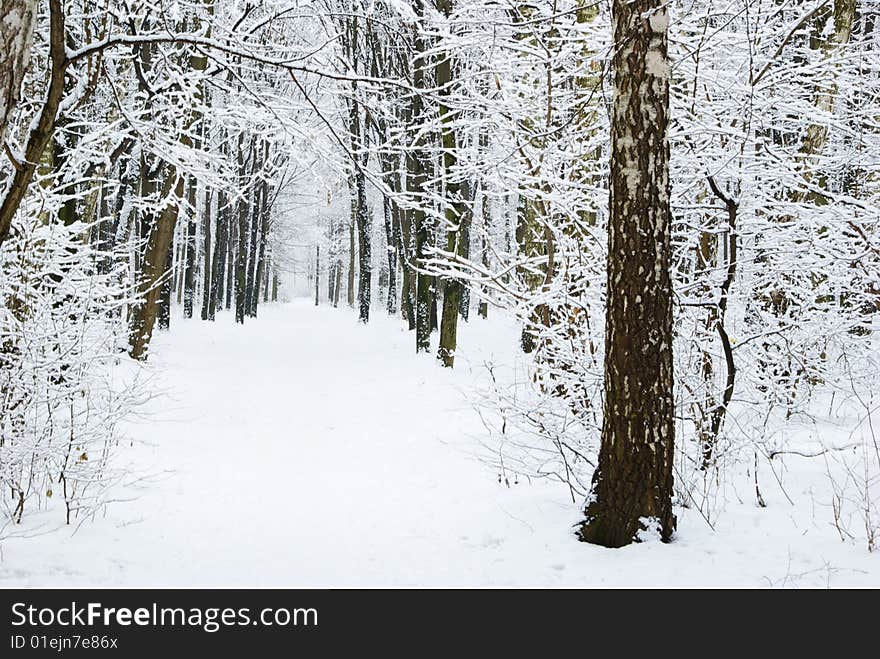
306,450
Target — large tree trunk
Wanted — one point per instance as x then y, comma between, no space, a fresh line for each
455,204
632,485
44,128
153,269
16,36
826,91
155,281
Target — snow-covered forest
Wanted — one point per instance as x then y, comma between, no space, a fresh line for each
440,292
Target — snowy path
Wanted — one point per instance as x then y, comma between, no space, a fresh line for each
304,450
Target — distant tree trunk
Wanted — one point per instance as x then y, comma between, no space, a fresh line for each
241,261
178,257
256,222
632,485
164,313
218,275
250,287
191,250
331,281
433,294
231,251
265,212
361,222
391,255
352,248
331,262
531,244
483,308
269,268
365,256
207,279
241,255
416,162
406,253
64,141
317,270
468,191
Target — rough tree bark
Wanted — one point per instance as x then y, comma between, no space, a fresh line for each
218,270
632,485
16,36
153,269
262,257
207,310
826,90
256,220
416,180
243,217
190,251
352,249
455,204
42,132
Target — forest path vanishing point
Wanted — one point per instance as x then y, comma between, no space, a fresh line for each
308,450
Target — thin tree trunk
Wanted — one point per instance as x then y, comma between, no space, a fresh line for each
164,313
256,220
260,275
231,251
464,244
391,255
190,251
351,250
317,270
241,255
483,308
218,275
365,231
416,161
208,269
